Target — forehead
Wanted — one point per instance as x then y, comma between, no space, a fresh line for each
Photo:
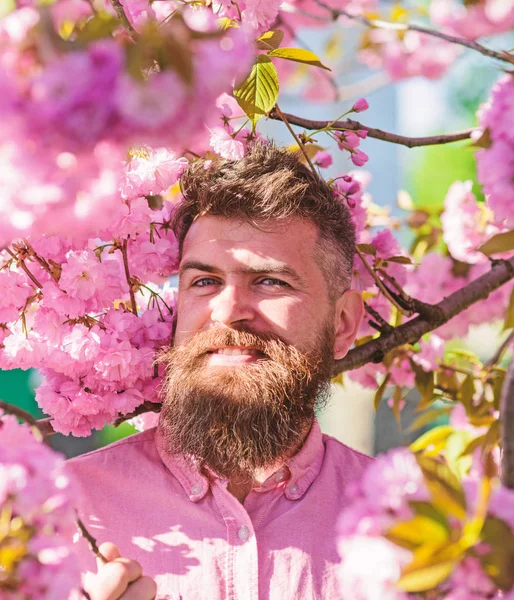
292,241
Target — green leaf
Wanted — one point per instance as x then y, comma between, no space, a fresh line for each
429,510
258,94
427,577
100,26
473,445
466,393
424,382
427,417
445,489
436,437
401,260
380,392
421,529
498,561
270,40
367,249
299,55
501,242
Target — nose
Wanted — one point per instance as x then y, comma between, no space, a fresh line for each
233,304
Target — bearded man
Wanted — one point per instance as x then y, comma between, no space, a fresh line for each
235,495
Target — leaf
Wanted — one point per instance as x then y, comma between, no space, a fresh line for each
501,242
466,393
427,417
498,561
397,405
485,140
401,260
429,510
258,94
473,445
310,149
492,437
427,577
445,489
424,382
380,392
421,529
270,40
300,55
367,249
435,437
100,26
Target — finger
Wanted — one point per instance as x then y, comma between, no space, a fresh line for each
144,588
114,577
109,551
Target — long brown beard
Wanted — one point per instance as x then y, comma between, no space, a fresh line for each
239,419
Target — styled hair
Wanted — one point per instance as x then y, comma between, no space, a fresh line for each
266,186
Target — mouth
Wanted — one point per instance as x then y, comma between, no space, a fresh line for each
233,355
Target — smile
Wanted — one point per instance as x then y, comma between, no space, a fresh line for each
233,355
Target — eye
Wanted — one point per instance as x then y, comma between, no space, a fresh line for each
204,282
270,281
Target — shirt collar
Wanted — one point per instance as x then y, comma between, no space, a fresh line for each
296,475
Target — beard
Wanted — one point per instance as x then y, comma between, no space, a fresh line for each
236,420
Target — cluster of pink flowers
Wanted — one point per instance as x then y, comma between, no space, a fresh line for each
91,315
372,564
408,55
472,20
63,139
495,162
38,520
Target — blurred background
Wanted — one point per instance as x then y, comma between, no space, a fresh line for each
415,107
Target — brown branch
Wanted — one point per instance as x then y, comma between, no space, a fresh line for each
380,284
41,261
120,12
381,324
499,353
140,410
91,541
22,264
379,24
301,145
23,415
410,332
506,429
127,275
378,134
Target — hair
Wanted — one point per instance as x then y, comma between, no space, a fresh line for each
266,186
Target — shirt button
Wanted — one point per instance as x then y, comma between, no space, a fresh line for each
243,533
294,490
195,490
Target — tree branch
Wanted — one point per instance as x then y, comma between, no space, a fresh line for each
410,332
23,415
506,428
91,541
22,264
127,275
120,12
379,24
296,138
378,134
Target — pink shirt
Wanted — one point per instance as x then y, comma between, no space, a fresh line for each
199,542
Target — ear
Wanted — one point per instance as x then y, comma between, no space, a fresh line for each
349,315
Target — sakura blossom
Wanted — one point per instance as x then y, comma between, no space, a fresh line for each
36,496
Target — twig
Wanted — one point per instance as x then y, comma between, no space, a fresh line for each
91,541
140,410
297,139
378,134
116,4
379,24
127,275
506,428
410,332
22,264
41,261
381,324
381,285
23,415
499,353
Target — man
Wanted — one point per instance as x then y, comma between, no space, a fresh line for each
236,494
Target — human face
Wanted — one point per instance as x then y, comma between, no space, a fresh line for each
235,275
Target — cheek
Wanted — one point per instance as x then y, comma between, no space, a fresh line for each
285,313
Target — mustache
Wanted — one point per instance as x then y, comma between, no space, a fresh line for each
202,343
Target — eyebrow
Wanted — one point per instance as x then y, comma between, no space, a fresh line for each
261,269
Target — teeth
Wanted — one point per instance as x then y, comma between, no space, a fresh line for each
235,351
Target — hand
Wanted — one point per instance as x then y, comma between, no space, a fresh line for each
119,579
